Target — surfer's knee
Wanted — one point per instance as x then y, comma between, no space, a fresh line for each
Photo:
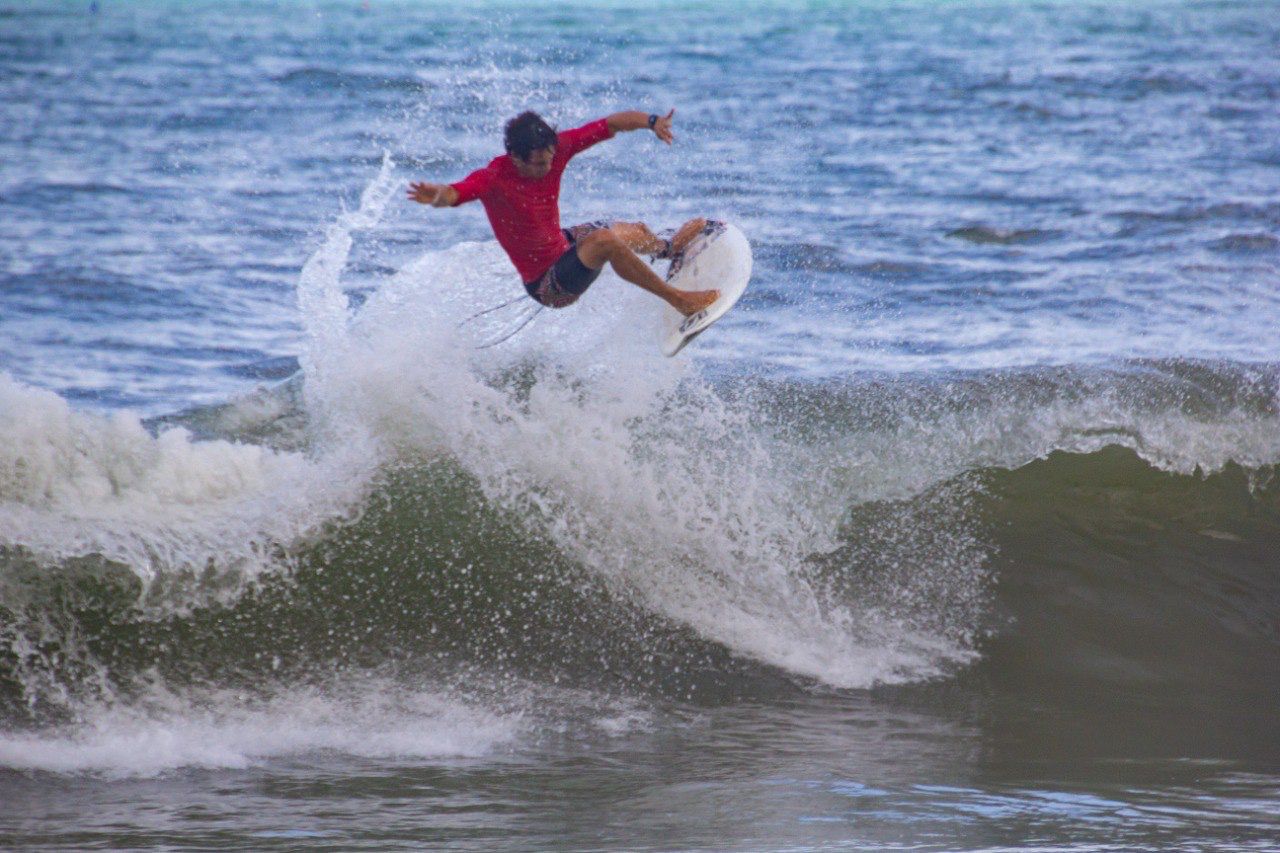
604,240
635,228
636,237
599,247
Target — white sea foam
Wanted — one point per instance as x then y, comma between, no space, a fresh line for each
933,440
223,730
75,483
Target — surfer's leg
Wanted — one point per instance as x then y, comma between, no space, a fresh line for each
604,246
566,280
641,240
638,238
683,237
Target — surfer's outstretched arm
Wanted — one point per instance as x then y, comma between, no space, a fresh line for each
436,195
636,120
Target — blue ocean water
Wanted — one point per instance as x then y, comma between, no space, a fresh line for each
929,186
959,532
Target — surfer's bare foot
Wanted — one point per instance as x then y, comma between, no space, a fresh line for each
685,235
693,301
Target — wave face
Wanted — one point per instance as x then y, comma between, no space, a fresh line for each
1134,590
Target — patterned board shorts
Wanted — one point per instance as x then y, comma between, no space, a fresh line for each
568,278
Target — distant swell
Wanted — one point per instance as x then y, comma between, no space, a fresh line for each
1000,236
1247,243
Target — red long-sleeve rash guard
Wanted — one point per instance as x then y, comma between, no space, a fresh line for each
525,212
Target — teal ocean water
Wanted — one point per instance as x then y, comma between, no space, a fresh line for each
960,532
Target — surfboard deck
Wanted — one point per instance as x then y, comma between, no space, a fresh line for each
717,259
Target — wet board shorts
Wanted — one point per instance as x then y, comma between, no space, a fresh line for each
568,278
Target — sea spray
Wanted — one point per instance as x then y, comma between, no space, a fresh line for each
323,303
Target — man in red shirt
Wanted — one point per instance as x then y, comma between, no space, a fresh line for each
520,192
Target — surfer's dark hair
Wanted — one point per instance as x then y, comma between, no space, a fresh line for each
526,133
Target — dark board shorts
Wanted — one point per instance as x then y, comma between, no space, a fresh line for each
568,278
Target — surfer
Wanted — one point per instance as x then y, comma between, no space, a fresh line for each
521,196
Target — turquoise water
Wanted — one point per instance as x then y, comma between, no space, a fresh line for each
959,532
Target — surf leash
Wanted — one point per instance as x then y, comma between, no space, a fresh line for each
480,314
528,318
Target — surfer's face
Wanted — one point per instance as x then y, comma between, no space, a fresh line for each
538,164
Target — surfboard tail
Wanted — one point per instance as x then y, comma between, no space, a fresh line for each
717,259
710,231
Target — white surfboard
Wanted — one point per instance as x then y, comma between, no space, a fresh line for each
717,259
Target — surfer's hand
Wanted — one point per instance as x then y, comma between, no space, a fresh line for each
662,128
436,195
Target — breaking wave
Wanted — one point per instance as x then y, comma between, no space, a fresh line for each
569,518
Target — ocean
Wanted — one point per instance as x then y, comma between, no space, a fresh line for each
960,532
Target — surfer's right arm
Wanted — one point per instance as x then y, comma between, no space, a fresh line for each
471,187
436,195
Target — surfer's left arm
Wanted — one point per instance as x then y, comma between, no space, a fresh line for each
636,120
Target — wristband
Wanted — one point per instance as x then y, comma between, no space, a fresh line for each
653,119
